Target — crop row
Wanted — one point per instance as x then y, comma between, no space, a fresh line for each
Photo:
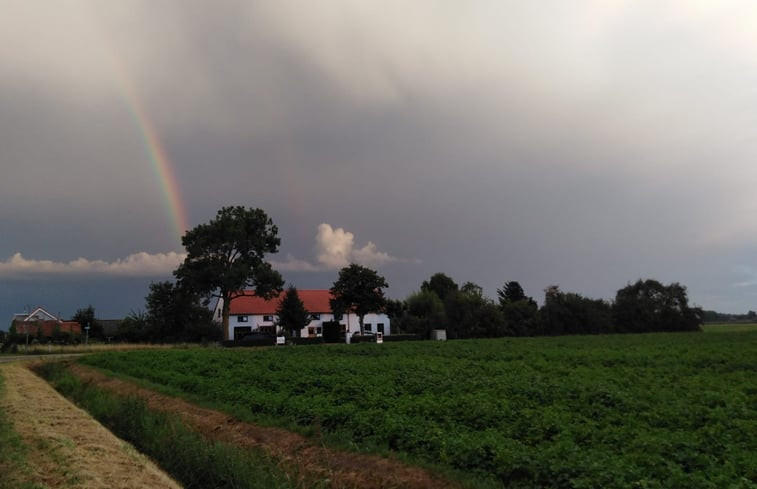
663,410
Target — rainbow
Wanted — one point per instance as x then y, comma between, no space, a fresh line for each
162,166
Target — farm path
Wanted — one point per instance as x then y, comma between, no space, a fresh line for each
67,447
297,455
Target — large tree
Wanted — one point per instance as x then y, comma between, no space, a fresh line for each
425,313
519,310
440,284
226,258
358,289
511,292
292,313
648,305
176,314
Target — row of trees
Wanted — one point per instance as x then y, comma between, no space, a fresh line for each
465,312
226,258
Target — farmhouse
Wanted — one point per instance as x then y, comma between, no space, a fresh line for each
251,313
43,323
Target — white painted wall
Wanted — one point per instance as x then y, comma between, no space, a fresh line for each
256,321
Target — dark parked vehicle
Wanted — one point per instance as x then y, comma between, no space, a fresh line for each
257,338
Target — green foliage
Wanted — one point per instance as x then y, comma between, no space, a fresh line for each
227,256
648,305
185,454
175,314
359,289
511,292
440,284
656,411
521,317
292,313
471,315
134,327
571,313
85,316
425,313
396,310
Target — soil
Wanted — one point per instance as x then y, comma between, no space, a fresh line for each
67,447
301,457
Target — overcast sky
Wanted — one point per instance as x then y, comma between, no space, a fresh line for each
585,144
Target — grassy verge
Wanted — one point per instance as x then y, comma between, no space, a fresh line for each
13,465
183,453
52,349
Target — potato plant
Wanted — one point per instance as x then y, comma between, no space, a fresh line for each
656,410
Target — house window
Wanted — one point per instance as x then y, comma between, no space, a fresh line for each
380,328
368,327
241,319
311,331
315,317
267,329
268,318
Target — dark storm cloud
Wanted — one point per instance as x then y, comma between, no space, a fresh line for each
489,140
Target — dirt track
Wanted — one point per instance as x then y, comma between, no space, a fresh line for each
299,456
67,448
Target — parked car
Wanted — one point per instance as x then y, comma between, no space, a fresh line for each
256,338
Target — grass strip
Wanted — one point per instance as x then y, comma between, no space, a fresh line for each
13,465
182,452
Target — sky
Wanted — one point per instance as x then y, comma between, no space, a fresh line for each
584,144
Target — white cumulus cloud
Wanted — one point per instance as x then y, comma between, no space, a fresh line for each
335,248
140,264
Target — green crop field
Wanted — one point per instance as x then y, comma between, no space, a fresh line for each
656,410
729,327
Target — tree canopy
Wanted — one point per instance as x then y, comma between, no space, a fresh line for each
648,305
440,284
359,289
292,313
511,292
85,316
226,257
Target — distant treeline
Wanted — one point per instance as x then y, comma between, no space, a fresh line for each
720,317
645,306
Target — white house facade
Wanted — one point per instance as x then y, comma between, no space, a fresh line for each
251,313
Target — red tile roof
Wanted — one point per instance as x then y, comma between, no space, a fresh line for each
47,328
316,302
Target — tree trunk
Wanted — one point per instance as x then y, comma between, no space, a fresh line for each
360,321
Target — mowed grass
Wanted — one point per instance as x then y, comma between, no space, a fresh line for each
14,470
656,410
